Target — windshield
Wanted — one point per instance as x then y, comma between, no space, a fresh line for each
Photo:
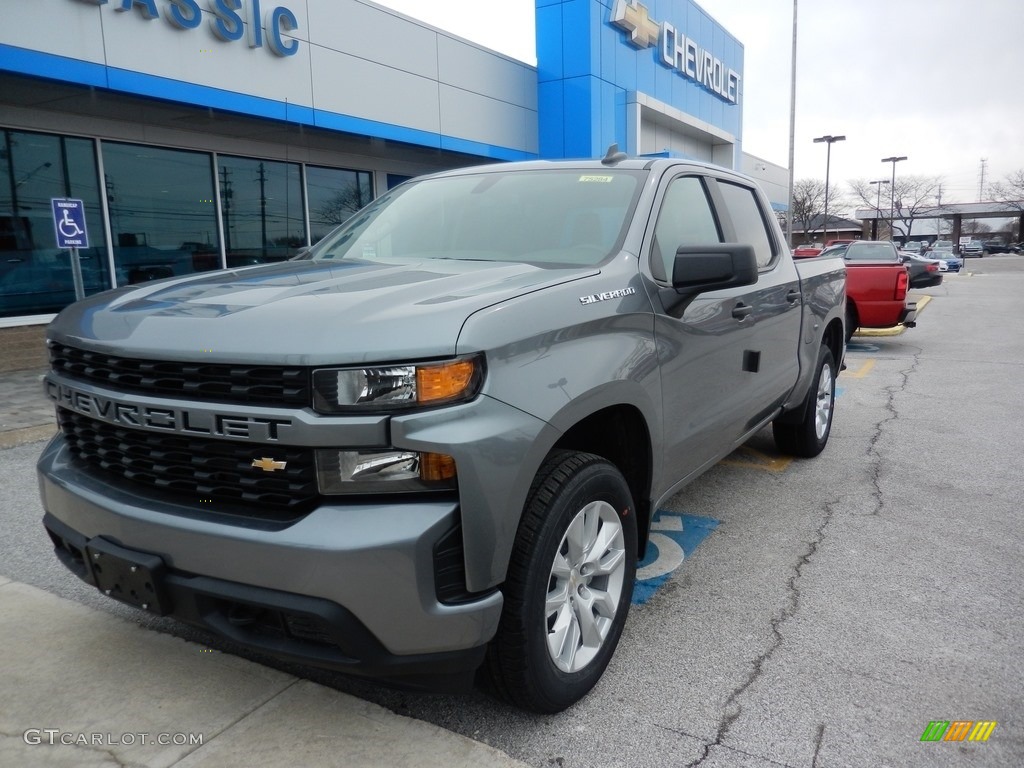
544,217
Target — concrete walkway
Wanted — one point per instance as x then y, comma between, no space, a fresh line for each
85,689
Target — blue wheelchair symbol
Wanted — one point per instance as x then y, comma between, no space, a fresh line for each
674,537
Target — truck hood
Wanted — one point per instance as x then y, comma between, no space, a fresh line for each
302,313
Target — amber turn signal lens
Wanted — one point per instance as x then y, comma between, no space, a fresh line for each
436,466
435,383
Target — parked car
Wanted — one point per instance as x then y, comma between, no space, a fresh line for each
806,250
948,261
876,285
924,272
943,251
914,246
995,246
973,248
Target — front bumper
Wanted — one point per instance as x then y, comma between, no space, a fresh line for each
349,586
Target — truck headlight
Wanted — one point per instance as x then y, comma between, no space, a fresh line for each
392,471
393,387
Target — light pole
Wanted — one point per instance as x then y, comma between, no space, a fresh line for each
792,132
878,201
829,140
892,192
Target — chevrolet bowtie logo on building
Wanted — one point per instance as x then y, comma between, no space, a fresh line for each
269,465
676,51
643,30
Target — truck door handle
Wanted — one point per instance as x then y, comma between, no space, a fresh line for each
793,296
741,310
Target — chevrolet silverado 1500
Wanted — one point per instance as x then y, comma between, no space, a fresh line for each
434,443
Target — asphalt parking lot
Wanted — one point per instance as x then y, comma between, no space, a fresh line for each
825,612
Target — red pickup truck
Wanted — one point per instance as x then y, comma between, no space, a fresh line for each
876,285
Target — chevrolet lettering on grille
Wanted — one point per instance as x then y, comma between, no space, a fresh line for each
168,419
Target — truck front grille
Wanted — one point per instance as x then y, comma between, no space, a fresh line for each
210,382
201,472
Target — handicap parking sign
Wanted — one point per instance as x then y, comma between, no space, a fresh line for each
69,223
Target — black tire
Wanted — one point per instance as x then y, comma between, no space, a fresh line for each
851,322
805,431
523,667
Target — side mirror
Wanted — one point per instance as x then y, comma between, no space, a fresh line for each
699,268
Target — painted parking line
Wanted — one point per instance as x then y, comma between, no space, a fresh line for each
674,537
860,371
751,458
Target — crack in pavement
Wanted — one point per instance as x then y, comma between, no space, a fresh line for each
733,708
817,744
873,452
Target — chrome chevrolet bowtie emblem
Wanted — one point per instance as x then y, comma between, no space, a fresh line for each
632,17
269,465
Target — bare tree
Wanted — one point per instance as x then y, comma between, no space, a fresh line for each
975,227
870,196
341,205
1010,193
911,196
914,195
1010,190
809,205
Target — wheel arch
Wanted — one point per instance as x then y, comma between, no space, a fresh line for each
835,340
620,434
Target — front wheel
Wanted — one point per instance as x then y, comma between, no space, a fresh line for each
805,431
569,584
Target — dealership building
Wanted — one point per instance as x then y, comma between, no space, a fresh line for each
201,134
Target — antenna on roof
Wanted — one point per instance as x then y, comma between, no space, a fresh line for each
613,156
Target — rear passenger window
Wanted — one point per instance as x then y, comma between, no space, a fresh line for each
685,219
748,221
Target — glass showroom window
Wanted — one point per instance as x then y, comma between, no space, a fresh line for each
35,277
261,209
334,195
162,212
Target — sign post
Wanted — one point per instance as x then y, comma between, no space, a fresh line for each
964,240
69,226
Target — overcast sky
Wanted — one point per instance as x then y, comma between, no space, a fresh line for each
940,81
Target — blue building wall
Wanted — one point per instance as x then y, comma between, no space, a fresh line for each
586,69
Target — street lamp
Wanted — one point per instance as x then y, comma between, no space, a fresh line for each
892,192
792,132
878,202
829,140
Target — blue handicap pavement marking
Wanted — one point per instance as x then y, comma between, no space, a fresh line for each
862,346
674,537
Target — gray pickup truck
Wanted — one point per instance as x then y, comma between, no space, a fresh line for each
432,445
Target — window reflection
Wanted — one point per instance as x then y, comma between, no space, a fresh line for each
161,211
334,195
35,276
261,210
163,216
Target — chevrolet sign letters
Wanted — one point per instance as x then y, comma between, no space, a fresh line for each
677,51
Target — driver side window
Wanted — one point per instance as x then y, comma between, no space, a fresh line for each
685,219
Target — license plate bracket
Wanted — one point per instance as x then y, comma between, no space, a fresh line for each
132,577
